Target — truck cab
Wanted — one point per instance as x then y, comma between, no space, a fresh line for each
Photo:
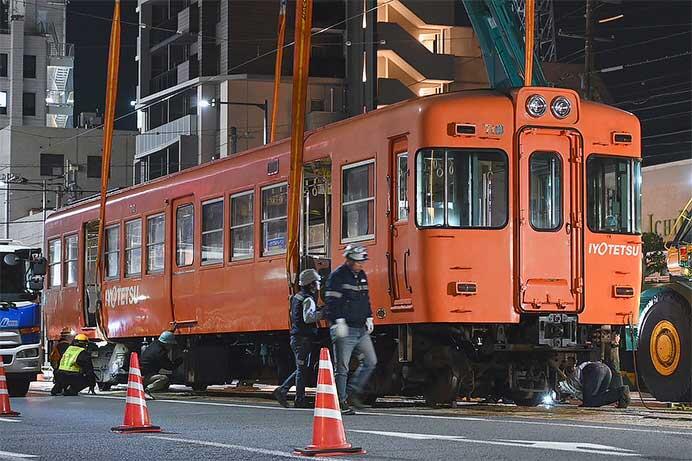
21,280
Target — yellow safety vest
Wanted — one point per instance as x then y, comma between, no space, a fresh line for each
68,362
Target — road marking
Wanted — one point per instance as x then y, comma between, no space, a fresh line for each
10,420
11,455
409,416
577,447
259,451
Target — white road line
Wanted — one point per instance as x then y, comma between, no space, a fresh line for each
577,447
11,455
259,451
409,416
10,420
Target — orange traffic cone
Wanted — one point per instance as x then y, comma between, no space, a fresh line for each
136,413
328,435
5,409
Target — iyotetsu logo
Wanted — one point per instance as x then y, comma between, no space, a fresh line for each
610,249
120,296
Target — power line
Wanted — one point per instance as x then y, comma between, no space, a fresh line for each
629,45
676,114
666,134
653,96
638,109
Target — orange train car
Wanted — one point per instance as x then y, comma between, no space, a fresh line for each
503,231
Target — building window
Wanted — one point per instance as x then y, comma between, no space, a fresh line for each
156,228
185,235
71,258
112,252
358,202
274,222
402,186
93,166
461,188
54,259
242,226
52,165
29,105
133,248
545,191
212,231
29,66
3,102
3,64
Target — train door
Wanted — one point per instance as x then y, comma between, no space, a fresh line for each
90,292
549,231
183,261
316,218
398,212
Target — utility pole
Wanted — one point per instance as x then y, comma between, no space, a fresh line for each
588,49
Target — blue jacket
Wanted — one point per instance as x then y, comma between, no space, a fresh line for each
348,297
304,314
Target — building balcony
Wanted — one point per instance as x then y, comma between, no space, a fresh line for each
412,56
431,12
188,70
179,29
165,135
391,90
163,81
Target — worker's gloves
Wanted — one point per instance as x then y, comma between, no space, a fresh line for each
369,324
341,329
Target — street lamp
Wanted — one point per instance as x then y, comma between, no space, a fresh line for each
264,106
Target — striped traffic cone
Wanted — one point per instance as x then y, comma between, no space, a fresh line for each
328,435
136,412
5,409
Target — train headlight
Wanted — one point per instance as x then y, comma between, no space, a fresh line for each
536,105
560,107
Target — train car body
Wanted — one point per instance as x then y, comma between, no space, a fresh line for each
496,238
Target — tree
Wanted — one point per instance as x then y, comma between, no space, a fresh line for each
654,253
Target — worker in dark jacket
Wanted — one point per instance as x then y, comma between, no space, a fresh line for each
155,358
59,349
304,317
76,371
590,382
350,316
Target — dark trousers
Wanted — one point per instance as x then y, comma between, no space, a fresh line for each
596,389
301,346
71,383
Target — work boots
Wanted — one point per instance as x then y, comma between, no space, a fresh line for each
624,400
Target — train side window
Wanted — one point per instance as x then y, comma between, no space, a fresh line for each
55,260
112,252
212,231
242,226
156,231
71,258
402,186
613,194
185,235
274,219
133,248
358,201
545,191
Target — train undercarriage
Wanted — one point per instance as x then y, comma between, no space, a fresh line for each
440,362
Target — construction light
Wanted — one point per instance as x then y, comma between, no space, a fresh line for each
560,107
612,18
204,103
536,105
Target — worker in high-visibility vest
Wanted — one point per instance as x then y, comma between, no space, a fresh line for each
76,371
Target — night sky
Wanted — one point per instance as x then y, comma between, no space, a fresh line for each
659,92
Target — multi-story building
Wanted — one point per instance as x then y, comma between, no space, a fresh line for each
193,51
36,64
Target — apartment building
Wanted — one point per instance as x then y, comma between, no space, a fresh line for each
193,51
36,65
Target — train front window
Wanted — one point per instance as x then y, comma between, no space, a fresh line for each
545,189
614,194
461,188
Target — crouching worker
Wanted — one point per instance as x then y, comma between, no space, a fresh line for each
590,382
155,358
304,317
76,371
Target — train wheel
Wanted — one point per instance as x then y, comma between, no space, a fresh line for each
664,348
443,386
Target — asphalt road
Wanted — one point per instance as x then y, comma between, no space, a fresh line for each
197,428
